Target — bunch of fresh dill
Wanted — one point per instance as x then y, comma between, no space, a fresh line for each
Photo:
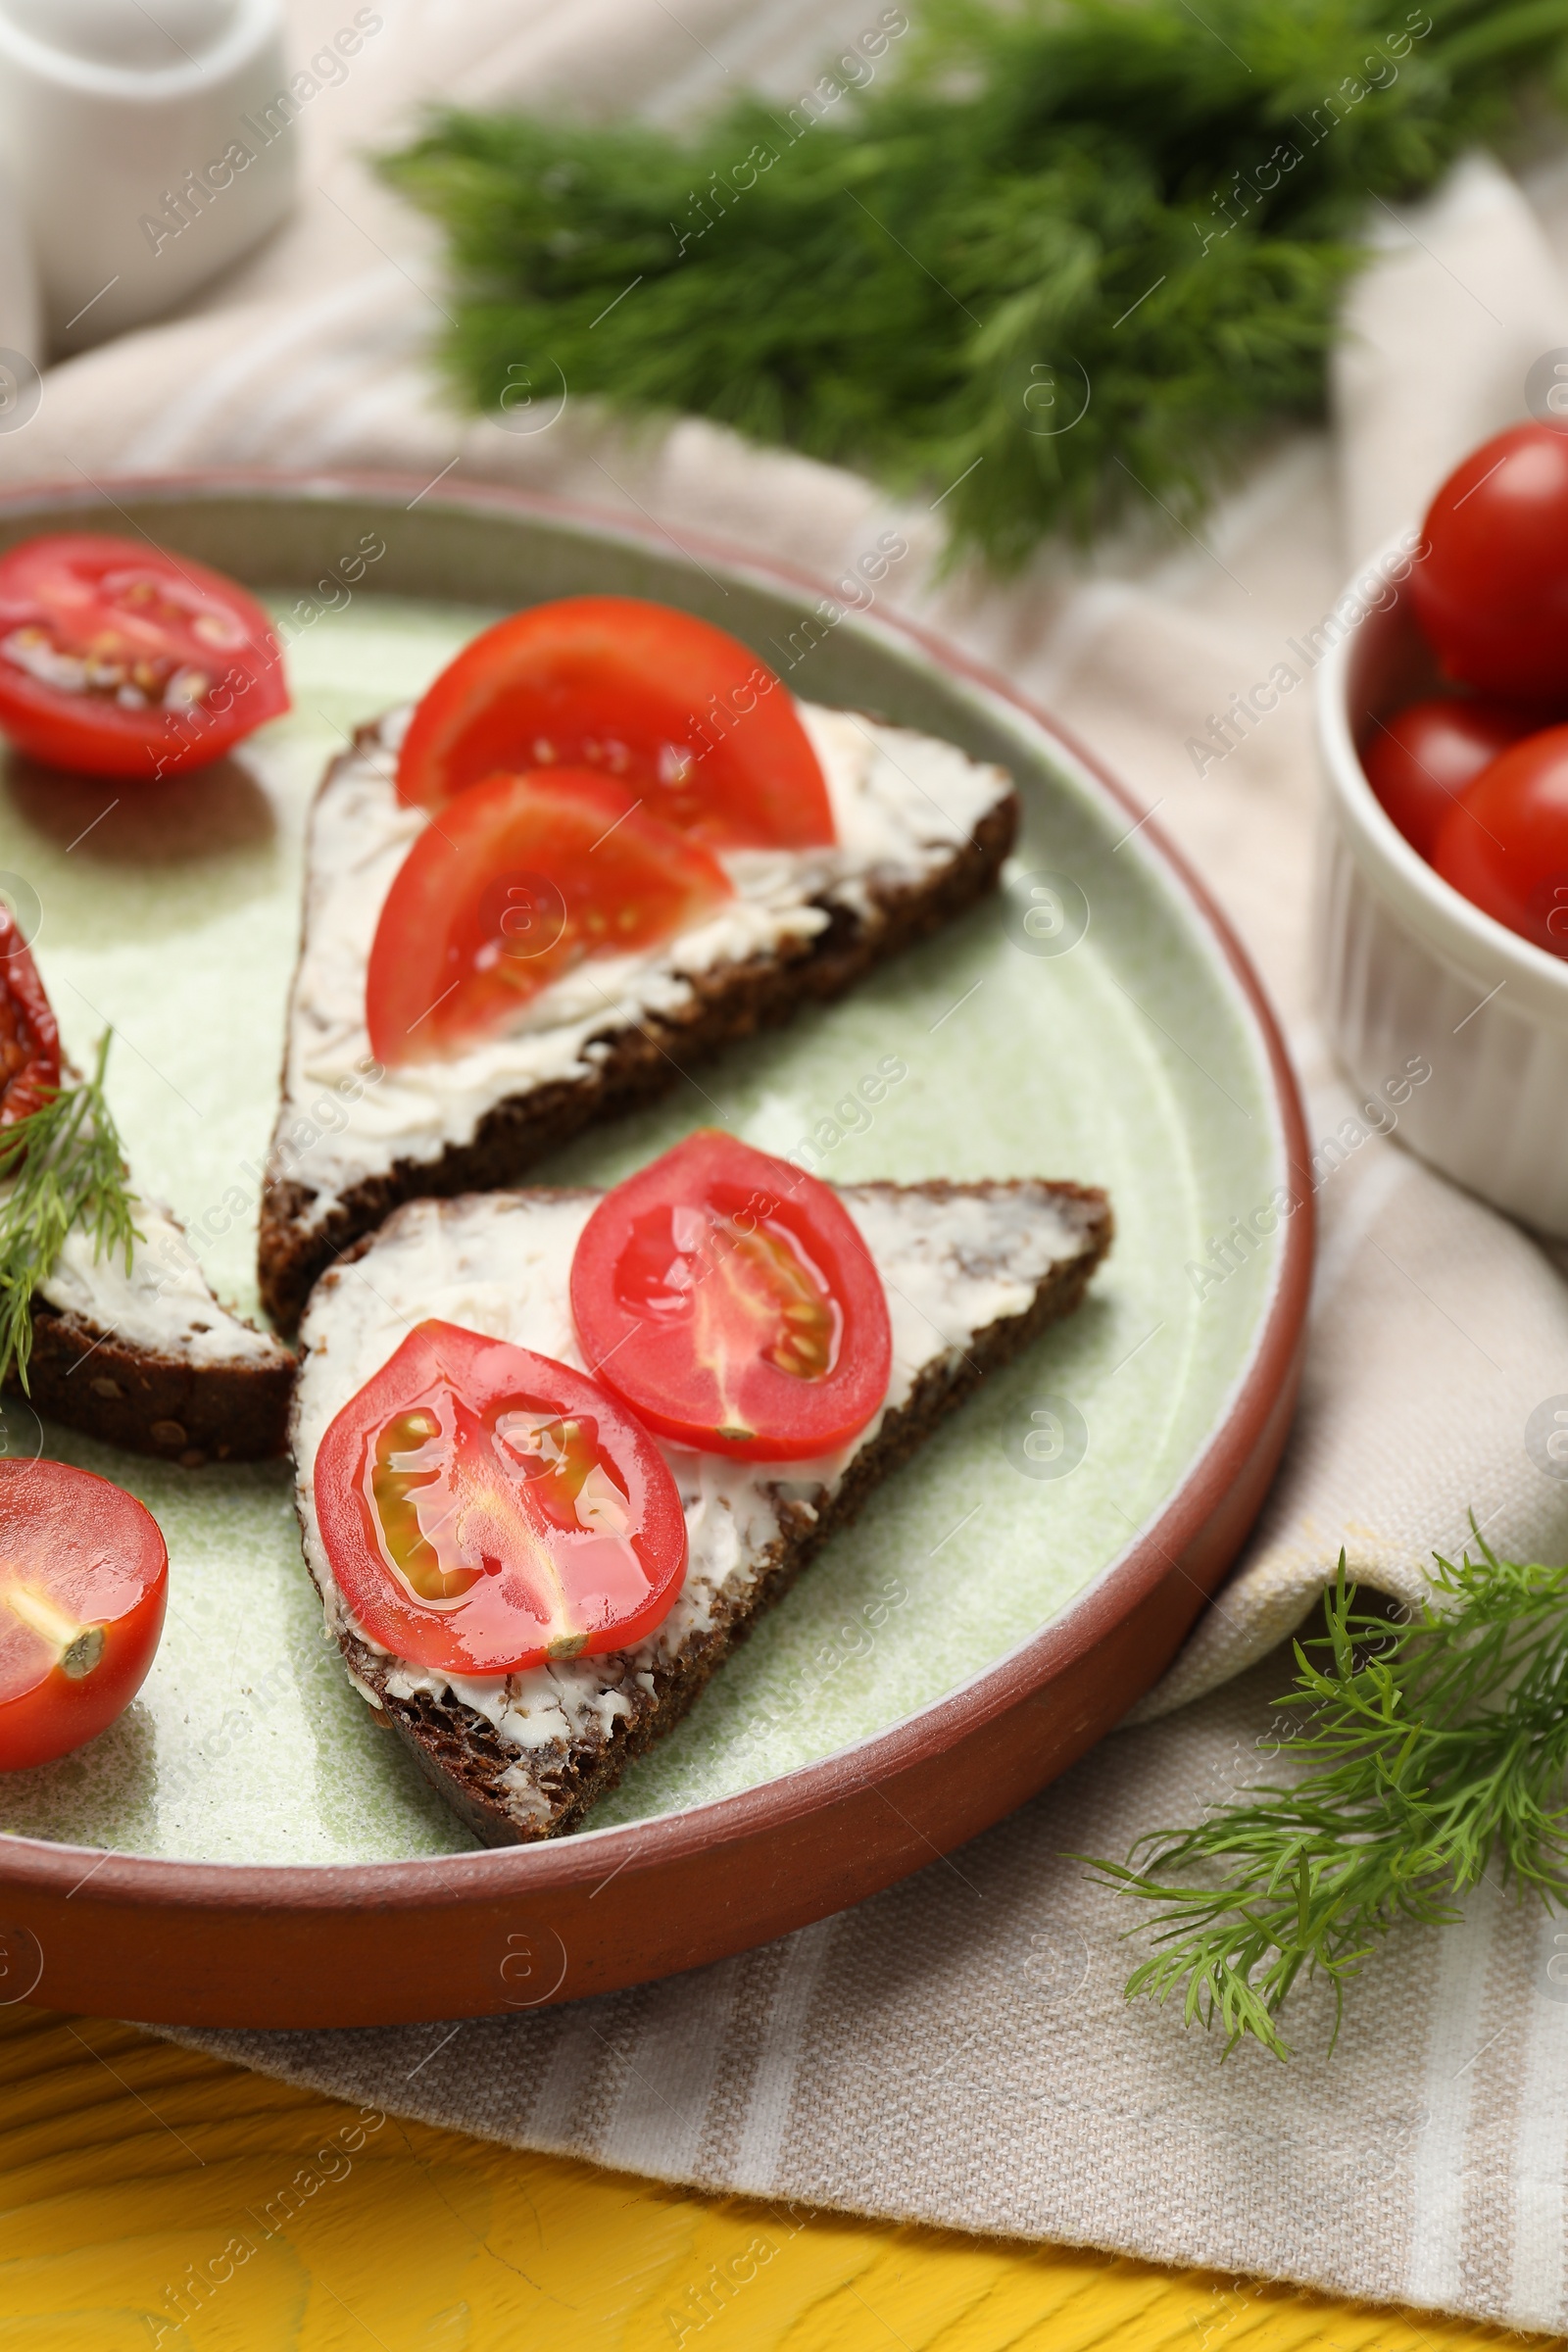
1034,260
1435,1745
59,1166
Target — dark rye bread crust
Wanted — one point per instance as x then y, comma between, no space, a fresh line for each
459,1752
640,1064
84,1378
189,1413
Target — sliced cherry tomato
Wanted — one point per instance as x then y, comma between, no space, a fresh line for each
485,1509
82,1590
518,880
30,1038
1420,761
1491,591
119,660
1506,843
685,717
728,1298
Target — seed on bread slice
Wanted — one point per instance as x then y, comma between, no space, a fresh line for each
973,1272
148,1359
922,833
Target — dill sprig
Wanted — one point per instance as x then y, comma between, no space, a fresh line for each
64,1166
1021,205
1439,1743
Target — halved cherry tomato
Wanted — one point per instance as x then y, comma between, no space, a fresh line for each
84,1581
30,1038
1506,843
1492,590
685,717
485,1509
729,1299
517,881
126,662
1421,760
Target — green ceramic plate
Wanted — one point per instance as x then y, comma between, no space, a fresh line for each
1089,1024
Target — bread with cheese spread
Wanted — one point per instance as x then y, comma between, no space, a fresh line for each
922,831
145,1356
972,1273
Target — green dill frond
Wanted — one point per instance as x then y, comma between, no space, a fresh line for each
1434,1748
918,277
63,1166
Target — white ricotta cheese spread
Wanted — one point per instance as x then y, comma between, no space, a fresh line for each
500,1264
903,804
161,1306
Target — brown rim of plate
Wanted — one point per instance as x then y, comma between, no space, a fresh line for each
332,1944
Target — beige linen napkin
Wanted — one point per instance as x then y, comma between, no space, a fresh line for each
956,2050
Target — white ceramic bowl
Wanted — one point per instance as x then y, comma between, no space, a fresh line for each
1411,972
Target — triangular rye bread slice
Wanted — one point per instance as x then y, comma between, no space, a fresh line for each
148,1359
972,1273
922,832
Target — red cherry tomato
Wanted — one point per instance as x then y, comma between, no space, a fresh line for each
689,721
1492,592
30,1040
485,1509
1505,844
1420,761
518,880
728,1298
82,1590
119,660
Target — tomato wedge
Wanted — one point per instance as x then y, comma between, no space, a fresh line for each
30,1038
687,720
518,881
728,1298
485,1509
82,1589
125,661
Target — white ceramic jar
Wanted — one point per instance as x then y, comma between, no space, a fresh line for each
1410,969
147,148
21,326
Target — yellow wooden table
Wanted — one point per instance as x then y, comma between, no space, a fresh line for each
158,2201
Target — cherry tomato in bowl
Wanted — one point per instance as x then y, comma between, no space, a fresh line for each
518,880
1505,844
728,1298
82,1590
485,1509
121,661
1421,760
1491,590
683,717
